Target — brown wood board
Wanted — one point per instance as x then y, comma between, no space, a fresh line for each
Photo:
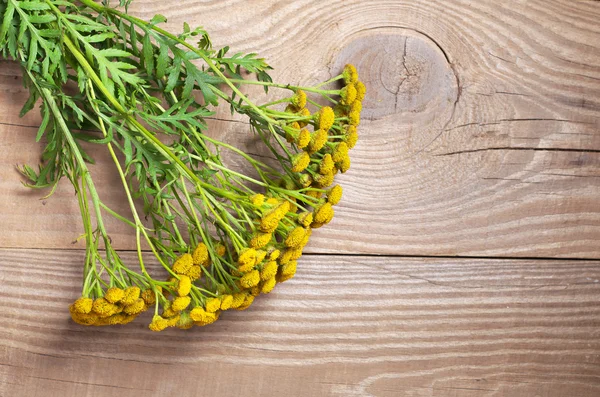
351,326
480,134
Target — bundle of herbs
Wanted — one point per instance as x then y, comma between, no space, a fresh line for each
143,94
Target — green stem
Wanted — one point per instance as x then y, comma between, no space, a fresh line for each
285,86
138,223
49,99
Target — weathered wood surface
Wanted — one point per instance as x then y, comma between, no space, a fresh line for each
481,133
481,137
345,326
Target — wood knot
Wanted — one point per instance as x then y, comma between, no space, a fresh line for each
404,71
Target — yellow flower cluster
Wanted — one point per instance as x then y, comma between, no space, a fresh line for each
335,133
269,258
117,306
220,274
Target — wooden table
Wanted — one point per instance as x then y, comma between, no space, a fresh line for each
464,259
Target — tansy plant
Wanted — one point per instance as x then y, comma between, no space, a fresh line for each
142,93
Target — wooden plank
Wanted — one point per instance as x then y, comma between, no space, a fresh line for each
481,134
351,326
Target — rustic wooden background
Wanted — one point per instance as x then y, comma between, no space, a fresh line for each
464,259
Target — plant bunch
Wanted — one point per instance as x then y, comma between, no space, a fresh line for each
130,87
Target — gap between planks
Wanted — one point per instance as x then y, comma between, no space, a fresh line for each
359,255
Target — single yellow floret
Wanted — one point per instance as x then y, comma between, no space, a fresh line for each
172,321
316,225
85,318
260,239
247,257
273,255
169,312
305,219
325,118
116,319
345,164
104,308
83,305
325,180
273,201
226,301
350,74
295,237
335,195
260,256
317,141
314,193
361,91
306,238
238,300
183,263
247,302
296,253
348,94
340,151
213,304
351,137
323,213
102,321
255,291
209,318
356,107
354,117
158,323
148,296
195,272
287,271
281,278
136,307
257,199
220,249
184,285
131,295
289,268
286,256
291,109
200,256
305,180
269,222
114,294
268,285
300,162
299,99
269,270
282,209
198,314
251,279
326,165
303,139
127,319
180,303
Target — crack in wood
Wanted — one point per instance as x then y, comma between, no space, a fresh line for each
507,148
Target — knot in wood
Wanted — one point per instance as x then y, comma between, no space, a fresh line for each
404,72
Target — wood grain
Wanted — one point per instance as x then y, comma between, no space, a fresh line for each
481,137
481,134
347,326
